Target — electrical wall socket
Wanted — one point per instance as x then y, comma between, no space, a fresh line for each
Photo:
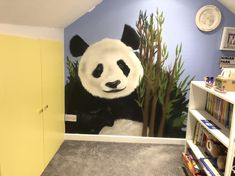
70,118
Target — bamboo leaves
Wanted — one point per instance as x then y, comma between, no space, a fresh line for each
160,86
72,68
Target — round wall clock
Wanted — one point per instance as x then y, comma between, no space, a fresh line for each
208,18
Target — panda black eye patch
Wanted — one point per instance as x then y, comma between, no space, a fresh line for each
122,65
98,71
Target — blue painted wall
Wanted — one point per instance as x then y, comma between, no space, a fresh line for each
200,50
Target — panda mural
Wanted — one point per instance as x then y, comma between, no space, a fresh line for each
103,94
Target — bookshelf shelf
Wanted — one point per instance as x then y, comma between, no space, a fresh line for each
221,134
221,125
229,96
197,152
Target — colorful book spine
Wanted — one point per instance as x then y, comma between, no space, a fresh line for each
200,133
199,137
219,109
196,133
191,165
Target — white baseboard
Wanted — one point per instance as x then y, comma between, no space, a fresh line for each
124,139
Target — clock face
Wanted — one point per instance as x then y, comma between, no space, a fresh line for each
208,18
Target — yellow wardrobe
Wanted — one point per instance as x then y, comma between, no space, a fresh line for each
31,104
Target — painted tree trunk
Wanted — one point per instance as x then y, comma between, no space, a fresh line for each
146,112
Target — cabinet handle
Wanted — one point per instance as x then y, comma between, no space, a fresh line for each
46,107
40,111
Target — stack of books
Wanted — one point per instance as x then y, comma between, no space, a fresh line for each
191,164
219,109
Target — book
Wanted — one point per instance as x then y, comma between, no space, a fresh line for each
192,166
196,133
209,167
200,133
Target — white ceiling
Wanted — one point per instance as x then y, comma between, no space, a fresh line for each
47,13
53,13
230,4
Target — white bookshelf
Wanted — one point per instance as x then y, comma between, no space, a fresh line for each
197,113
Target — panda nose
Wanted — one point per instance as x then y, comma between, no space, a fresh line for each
113,84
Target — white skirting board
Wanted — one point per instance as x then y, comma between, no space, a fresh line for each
124,139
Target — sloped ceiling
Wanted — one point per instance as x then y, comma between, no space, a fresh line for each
54,13
47,13
230,4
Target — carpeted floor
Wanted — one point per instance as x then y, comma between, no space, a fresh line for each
78,158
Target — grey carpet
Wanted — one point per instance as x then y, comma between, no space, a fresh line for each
78,158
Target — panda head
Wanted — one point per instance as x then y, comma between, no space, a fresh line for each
109,68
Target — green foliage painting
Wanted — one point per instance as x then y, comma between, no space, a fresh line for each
162,91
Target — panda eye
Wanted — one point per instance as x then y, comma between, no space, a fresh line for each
122,65
98,71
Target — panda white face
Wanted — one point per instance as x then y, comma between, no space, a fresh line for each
109,69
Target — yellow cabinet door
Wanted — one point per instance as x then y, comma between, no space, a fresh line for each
21,122
53,96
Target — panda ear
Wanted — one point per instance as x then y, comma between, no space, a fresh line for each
130,37
77,46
